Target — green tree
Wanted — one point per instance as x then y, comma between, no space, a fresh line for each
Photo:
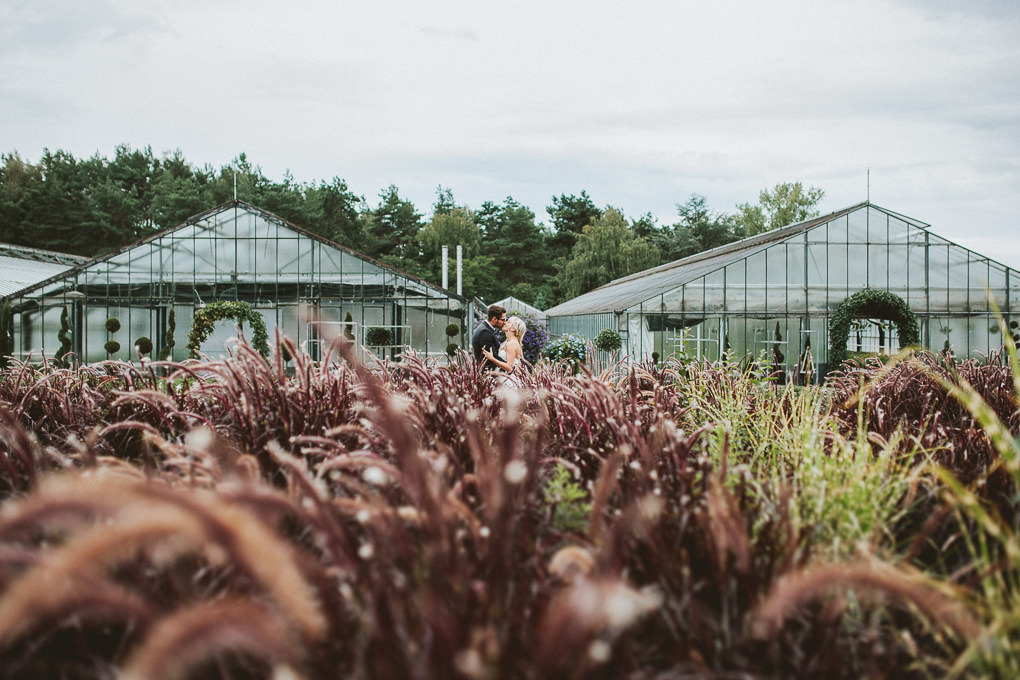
697,230
450,227
570,215
392,231
515,243
179,192
336,213
787,203
606,250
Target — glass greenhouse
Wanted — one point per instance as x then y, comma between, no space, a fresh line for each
772,295
307,287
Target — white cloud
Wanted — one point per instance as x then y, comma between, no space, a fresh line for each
639,103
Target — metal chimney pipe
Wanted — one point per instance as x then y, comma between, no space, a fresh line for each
460,270
446,276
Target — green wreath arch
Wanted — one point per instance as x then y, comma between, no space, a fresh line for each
873,304
206,318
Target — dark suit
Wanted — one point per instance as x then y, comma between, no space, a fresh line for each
484,336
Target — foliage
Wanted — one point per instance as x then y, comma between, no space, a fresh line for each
514,244
6,333
777,352
111,346
871,303
605,250
64,336
452,330
786,204
378,336
113,324
698,229
570,503
143,345
608,340
167,351
349,326
206,318
570,348
413,520
451,349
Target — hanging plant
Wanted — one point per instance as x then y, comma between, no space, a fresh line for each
873,304
608,340
241,312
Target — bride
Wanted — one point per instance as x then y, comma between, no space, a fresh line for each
510,352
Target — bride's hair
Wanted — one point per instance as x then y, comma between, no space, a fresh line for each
517,323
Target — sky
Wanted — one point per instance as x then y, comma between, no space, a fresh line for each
914,104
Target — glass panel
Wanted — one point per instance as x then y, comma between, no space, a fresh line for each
938,277
775,269
897,269
997,283
878,265
819,234
878,226
858,229
837,282
837,230
917,277
857,266
755,289
714,292
898,231
287,257
959,289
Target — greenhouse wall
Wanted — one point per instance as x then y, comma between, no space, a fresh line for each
300,284
771,299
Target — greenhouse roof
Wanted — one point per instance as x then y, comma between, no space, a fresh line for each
634,289
200,221
22,267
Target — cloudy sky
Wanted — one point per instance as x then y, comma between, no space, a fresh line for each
640,103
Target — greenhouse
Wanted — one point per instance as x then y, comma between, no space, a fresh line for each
232,263
859,281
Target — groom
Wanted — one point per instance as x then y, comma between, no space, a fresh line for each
485,335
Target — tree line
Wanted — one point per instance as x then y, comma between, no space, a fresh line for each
95,205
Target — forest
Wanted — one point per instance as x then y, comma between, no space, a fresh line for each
92,206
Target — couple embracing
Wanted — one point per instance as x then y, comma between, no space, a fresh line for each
485,343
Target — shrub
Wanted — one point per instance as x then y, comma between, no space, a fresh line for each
168,337
113,324
378,337
452,330
571,348
608,340
452,348
112,346
64,335
143,345
349,327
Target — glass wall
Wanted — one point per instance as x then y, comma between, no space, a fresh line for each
773,302
301,284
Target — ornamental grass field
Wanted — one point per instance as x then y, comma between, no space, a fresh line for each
238,519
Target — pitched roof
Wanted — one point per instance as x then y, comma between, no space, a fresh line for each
235,204
21,267
633,289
